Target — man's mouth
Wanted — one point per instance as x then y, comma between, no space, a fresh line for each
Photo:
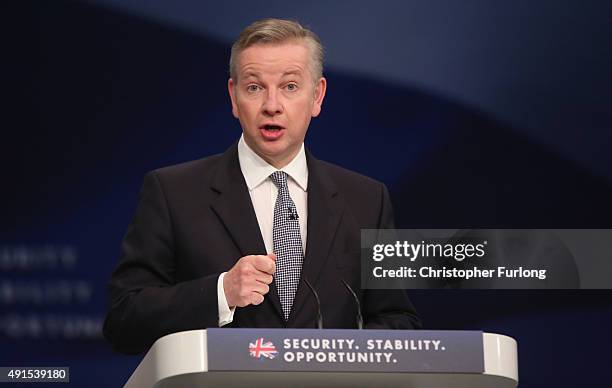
272,127
272,132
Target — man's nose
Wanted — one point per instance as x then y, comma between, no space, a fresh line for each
272,105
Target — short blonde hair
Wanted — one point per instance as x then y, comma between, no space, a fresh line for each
278,31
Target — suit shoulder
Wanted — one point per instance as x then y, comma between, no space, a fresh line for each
186,170
367,199
351,179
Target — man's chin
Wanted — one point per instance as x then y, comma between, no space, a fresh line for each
278,156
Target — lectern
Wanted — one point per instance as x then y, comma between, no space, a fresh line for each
329,358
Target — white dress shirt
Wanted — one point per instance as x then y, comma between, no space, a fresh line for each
263,192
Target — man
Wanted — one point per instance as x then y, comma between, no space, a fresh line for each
231,240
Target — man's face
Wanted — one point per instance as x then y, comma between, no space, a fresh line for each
274,97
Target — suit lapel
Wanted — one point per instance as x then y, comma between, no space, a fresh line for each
235,210
325,209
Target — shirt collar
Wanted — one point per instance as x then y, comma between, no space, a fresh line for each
256,170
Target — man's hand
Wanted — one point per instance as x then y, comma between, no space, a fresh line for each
247,282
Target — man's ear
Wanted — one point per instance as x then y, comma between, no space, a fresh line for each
319,95
232,93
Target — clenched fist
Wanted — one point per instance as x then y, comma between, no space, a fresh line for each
247,282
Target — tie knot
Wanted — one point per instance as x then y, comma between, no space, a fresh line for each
279,178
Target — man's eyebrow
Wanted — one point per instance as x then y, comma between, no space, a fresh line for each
250,73
292,72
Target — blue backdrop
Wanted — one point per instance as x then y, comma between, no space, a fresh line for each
475,114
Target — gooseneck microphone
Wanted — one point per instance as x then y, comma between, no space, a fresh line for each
359,317
319,315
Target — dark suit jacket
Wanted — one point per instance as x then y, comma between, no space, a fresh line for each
196,219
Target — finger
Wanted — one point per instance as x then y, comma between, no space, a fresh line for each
256,298
272,256
264,278
265,264
261,288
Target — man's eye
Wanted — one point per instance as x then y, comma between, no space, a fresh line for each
252,88
291,87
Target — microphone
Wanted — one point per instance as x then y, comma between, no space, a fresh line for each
319,315
359,317
293,214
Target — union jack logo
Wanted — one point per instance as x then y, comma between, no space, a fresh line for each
259,349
